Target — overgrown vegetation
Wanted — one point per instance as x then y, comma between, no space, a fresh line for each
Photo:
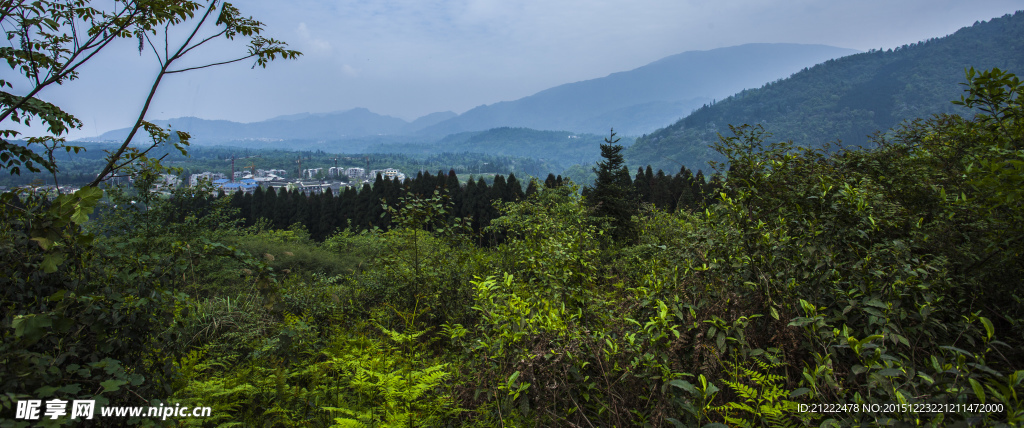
823,288
814,287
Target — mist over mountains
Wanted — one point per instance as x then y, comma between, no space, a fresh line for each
846,99
681,104
634,102
648,97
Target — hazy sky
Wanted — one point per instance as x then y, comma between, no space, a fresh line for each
407,58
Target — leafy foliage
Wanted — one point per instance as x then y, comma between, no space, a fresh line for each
882,278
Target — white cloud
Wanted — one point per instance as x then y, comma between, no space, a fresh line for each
349,70
310,44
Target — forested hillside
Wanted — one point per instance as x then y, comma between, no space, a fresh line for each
859,287
845,99
787,287
647,97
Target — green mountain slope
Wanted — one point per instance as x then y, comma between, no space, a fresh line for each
645,98
845,99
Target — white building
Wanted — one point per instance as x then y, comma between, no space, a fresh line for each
193,180
311,173
355,173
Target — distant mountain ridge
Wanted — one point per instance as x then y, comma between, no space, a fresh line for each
844,99
354,123
656,94
634,101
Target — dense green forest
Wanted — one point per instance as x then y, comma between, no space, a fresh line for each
367,208
881,280
792,286
846,99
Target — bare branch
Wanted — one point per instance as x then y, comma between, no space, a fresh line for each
151,46
221,33
211,65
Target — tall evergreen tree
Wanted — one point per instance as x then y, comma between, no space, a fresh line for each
468,199
270,205
613,196
661,192
531,188
550,182
497,192
698,187
454,191
256,210
328,217
642,186
514,189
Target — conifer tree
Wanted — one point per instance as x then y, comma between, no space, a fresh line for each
514,190
328,216
469,199
270,205
256,210
698,187
440,182
661,192
550,182
497,192
642,186
531,188
298,207
245,207
455,194
613,196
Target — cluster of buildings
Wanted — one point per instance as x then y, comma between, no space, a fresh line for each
312,180
353,174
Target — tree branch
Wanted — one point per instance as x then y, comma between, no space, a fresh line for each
221,33
112,159
211,65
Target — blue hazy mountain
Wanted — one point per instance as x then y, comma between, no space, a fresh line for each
845,99
646,98
635,101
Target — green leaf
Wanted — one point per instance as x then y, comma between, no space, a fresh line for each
890,372
512,379
684,385
806,306
51,261
876,303
46,391
43,242
978,390
112,384
30,326
989,329
798,392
